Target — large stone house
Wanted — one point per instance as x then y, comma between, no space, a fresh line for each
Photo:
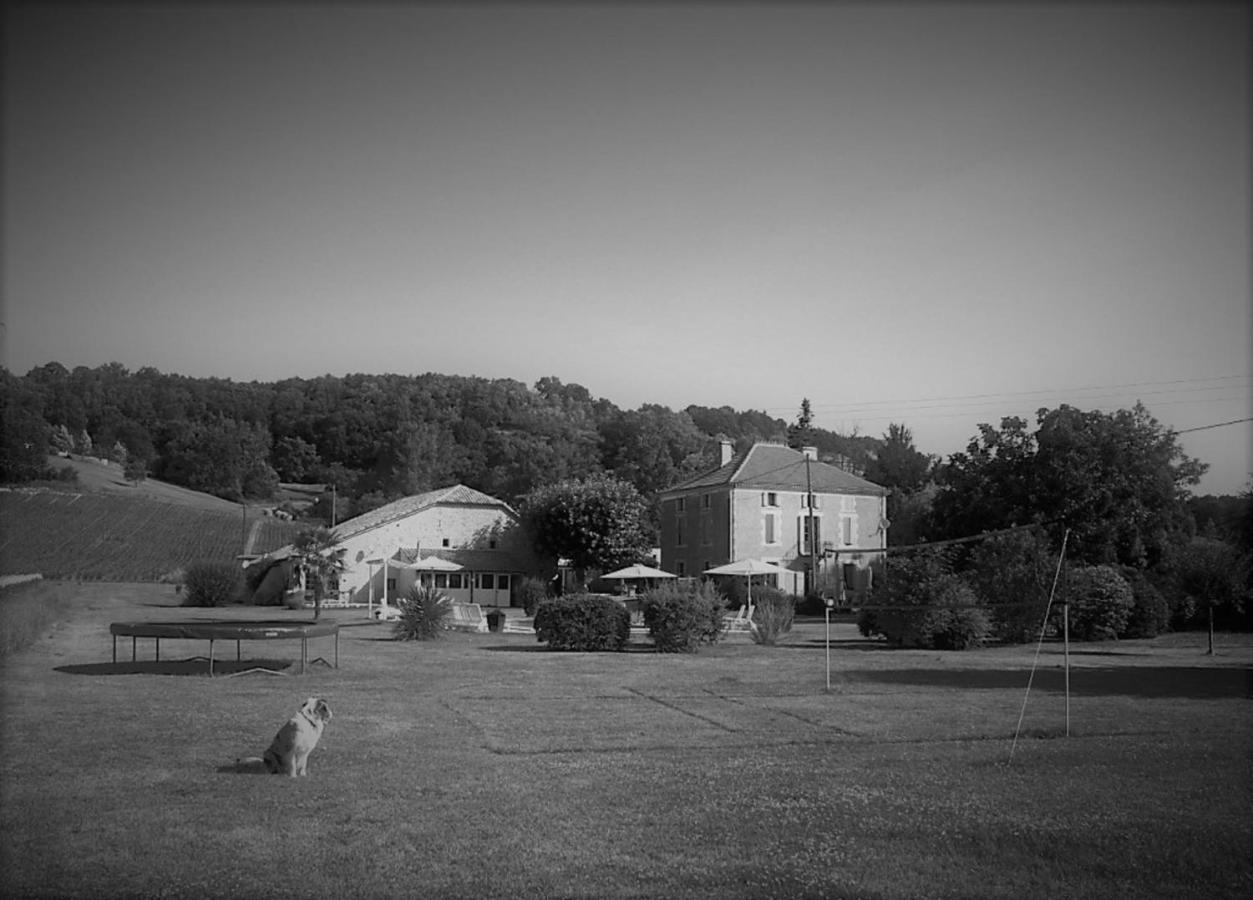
390,549
821,524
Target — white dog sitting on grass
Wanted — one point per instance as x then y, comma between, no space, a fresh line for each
288,753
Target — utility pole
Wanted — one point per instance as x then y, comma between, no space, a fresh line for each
813,538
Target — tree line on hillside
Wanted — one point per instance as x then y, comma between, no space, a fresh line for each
374,437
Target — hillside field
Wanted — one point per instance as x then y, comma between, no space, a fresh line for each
111,536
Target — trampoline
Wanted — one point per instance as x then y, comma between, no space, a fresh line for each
229,630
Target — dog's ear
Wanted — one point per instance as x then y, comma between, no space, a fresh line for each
309,707
322,711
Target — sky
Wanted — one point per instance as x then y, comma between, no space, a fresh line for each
932,214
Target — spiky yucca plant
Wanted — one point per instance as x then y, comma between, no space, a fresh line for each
421,615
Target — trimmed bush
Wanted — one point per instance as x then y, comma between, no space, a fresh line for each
955,620
1101,603
582,622
773,614
1013,574
680,619
921,603
212,584
1151,614
422,615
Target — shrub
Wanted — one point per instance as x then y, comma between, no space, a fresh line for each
531,591
773,613
211,584
422,615
27,611
582,622
1013,574
921,603
1150,615
1100,603
681,618
955,620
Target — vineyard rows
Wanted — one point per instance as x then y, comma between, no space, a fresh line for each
104,537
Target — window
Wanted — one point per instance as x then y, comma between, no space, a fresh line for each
454,581
441,580
802,530
680,539
502,582
680,505
811,501
850,576
706,500
769,498
771,525
848,530
706,531
391,585
447,543
491,544
680,568
487,581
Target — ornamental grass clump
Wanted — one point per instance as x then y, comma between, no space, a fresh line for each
422,615
773,614
680,619
582,622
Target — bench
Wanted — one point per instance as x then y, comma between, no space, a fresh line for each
467,617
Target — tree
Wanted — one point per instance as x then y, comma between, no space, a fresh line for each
597,522
800,434
906,472
23,431
1116,480
1213,575
320,560
898,464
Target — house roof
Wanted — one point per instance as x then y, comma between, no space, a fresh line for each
774,467
457,495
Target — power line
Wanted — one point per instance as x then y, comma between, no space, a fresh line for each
1007,396
1215,425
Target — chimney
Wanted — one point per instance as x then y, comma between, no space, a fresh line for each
810,453
727,449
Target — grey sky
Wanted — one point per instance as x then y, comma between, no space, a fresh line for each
934,214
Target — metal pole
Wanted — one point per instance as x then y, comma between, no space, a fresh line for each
827,609
1066,644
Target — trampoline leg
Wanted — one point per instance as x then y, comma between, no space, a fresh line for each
133,657
158,657
210,657
304,653
337,648
115,649
237,656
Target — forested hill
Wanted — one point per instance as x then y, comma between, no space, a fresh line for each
375,437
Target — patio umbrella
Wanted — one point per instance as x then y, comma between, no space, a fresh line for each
638,571
747,568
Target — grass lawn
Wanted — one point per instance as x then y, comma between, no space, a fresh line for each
486,766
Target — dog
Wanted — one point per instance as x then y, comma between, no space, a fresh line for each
288,753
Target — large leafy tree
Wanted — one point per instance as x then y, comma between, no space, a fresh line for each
596,522
1117,480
